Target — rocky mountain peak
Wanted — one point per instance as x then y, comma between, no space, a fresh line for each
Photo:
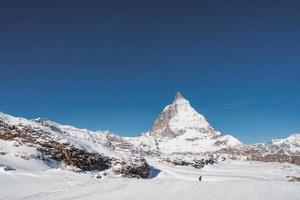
178,118
178,96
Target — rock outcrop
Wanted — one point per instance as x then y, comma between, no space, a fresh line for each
196,163
140,168
52,149
57,146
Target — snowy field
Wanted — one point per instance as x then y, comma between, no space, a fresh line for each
226,181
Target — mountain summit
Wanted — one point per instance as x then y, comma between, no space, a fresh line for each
178,118
178,95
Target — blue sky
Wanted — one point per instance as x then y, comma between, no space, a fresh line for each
115,64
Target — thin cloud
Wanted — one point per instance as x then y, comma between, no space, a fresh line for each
231,106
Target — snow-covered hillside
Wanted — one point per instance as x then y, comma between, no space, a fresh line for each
44,142
226,181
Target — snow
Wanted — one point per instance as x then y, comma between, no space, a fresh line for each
20,157
186,117
177,118
227,181
191,142
289,145
293,141
15,120
81,138
231,141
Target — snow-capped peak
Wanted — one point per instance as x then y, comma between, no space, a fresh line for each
290,144
178,118
292,139
178,96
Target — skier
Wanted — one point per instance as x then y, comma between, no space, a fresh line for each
200,178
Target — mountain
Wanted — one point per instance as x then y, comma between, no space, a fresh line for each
277,150
179,129
179,135
179,118
289,146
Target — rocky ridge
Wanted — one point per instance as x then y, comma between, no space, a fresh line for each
56,145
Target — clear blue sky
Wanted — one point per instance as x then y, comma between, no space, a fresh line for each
115,64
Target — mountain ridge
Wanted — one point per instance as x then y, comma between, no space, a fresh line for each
179,135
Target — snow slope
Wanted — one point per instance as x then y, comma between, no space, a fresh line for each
81,138
36,144
226,181
20,157
190,142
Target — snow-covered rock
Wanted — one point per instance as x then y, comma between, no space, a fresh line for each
44,143
179,118
290,145
179,128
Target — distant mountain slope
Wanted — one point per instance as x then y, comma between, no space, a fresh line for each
289,146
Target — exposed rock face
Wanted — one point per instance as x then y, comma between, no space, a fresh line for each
53,148
196,163
282,158
257,153
76,157
6,167
293,179
178,130
140,168
178,118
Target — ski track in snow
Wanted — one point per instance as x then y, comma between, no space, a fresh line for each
228,181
